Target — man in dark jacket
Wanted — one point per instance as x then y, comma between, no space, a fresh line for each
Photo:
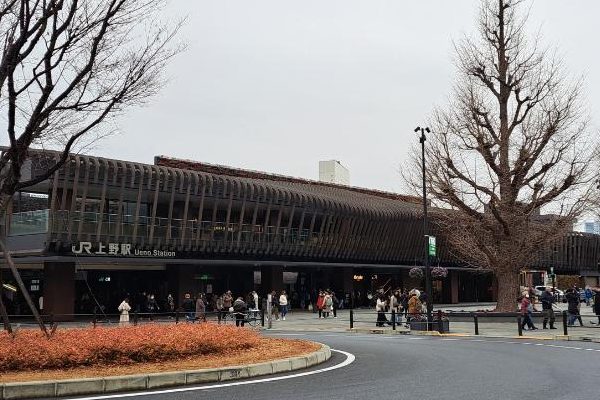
548,299
188,307
573,303
239,308
597,303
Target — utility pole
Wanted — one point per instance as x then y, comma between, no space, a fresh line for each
422,140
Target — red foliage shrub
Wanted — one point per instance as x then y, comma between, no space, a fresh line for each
69,348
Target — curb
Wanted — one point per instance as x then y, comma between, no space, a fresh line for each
112,384
387,331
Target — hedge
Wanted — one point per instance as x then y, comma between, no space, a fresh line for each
68,348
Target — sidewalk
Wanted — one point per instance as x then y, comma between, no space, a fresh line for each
364,320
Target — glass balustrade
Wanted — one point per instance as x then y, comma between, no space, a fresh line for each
143,228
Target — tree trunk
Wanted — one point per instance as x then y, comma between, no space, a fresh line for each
4,314
22,287
508,290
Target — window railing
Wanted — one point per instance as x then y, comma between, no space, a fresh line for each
29,223
175,230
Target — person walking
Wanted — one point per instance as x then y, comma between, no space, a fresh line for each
414,305
152,307
274,305
404,302
255,299
188,307
380,305
572,300
171,305
227,301
335,303
200,308
283,304
320,301
124,309
395,306
548,299
597,303
239,310
588,296
219,307
327,304
526,310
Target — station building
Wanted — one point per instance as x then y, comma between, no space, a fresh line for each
101,229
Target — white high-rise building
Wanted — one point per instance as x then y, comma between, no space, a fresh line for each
587,226
332,171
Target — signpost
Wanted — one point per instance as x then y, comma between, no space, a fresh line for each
432,247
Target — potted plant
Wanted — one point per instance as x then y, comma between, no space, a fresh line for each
416,273
418,322
439,272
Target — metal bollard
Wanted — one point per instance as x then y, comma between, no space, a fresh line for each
564,321
476,321
520,326
351,319
440,322
393,320
176,317
262,317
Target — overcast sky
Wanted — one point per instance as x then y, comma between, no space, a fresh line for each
278,85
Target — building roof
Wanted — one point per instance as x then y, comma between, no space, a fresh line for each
390,204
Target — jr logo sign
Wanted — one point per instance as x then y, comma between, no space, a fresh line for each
113,249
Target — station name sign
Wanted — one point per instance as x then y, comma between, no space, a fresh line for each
117,249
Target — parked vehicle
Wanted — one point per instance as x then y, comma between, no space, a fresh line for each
559,294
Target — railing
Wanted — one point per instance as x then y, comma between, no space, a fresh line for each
29,223
251,317
441,321
141,229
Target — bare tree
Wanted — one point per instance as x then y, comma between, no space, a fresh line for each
67,68
511,142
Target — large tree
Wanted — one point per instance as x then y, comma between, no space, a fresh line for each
511,143
67,68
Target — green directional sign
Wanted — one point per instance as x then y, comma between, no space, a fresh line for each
432,248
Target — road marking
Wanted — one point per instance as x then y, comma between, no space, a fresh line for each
291,334
349,360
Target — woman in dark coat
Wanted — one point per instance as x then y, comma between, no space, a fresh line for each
597,303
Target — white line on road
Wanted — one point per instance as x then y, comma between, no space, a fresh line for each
291,334
349,360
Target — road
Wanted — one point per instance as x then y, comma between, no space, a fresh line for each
408,367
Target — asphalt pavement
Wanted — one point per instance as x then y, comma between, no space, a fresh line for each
413,367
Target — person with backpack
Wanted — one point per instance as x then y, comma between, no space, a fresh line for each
547,299
239,310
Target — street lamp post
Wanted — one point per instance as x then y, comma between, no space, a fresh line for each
422,140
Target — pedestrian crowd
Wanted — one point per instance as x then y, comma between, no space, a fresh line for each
574,297
408,304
